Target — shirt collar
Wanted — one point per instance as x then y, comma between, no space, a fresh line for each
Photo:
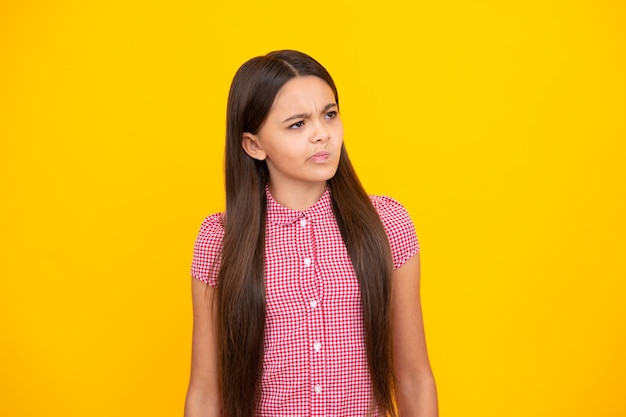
278,214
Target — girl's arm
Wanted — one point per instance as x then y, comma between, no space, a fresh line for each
203,395
415,385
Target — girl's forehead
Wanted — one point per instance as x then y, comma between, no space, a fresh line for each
306,91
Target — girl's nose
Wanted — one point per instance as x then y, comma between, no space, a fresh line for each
321,133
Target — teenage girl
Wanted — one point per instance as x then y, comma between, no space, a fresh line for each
305,290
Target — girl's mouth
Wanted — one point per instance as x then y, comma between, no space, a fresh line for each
319,157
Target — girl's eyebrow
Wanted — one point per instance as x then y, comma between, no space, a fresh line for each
305,115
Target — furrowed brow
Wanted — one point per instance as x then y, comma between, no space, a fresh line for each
328,107
305,115
297,116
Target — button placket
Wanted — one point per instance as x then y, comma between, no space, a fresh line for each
311,291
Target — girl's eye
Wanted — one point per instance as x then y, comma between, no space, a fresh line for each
297,125
331,114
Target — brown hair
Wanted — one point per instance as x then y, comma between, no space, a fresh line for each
241,290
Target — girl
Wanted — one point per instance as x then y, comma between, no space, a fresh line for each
305,291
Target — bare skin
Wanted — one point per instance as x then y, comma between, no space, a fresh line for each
416,393
203,397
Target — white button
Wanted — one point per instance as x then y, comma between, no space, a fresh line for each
313,303
302,222
318,389
307,261
317,346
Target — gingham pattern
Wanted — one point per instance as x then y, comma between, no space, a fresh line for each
315,361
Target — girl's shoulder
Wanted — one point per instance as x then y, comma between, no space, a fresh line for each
399,227
207,249
386,204
391,211
213,225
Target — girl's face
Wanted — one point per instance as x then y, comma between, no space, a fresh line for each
301,137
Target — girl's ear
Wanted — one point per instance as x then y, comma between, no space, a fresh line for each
251,145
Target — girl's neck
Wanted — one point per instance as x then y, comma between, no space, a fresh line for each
297,196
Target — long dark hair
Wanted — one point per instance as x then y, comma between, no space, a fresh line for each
241,289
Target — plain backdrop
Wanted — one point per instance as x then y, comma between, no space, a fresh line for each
499,125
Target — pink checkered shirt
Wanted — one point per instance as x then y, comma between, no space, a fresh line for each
315,361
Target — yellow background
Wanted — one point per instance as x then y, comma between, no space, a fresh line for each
500,126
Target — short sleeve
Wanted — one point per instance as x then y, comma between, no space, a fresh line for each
399,227
207,250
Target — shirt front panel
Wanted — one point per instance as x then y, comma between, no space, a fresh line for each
315,359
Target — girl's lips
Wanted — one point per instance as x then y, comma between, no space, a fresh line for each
320,156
